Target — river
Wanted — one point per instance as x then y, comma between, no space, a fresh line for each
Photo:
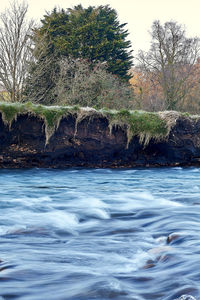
85,234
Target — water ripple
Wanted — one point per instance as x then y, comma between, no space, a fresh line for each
85,234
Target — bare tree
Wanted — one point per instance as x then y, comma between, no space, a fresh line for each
76,82
170,61
15,50
80,83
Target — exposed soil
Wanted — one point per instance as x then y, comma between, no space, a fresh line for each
92,144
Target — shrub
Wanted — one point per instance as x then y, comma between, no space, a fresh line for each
76,82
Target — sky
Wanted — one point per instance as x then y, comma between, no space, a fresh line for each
139,14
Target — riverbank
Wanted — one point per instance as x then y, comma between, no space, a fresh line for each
59,137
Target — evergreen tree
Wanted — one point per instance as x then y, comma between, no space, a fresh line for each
93,33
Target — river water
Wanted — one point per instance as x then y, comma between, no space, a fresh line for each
84,234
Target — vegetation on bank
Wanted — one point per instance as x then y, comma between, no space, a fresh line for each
145,125
76,83
82,56
93,34
50,114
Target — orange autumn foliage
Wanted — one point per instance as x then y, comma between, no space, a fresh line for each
149,94
191,102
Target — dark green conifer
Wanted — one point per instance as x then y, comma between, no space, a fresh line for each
93,33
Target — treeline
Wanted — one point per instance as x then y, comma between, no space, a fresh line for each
167,77
82,56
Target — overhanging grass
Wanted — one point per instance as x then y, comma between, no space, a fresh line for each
50,114
145,125
10,111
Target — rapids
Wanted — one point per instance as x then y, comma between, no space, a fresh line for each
86,234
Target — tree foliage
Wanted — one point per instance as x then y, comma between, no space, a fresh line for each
148,93
170,60
93,33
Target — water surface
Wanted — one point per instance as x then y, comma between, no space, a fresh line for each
84,234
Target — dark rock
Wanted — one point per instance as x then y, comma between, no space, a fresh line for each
173,237
149,264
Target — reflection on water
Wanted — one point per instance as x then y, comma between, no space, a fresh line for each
84,234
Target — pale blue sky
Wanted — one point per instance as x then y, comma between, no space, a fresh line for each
139,14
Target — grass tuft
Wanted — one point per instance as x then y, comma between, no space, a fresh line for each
10,111
143,124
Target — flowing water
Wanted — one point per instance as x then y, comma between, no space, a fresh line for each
84,234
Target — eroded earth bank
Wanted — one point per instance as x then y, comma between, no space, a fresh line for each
38,136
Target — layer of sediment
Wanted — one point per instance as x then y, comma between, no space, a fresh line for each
59,137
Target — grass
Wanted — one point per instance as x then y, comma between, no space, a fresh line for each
10,111
145,125
50,114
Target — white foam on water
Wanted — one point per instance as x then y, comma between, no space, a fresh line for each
57,219
139,200
10,229
160,250
90,206
93,202
115,284
166,202
196,170
116,263
161,240
88,225
96,212
129,171
4,230
65,219
136,262
186,297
